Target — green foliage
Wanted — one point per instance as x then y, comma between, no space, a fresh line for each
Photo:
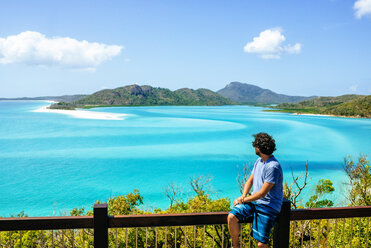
350,232
359,107
201,202
127,204
346,105
20,214
77,212
62,105
323,187
135,95
359,175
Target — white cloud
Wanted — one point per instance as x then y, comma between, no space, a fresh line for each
33,48
293,49
269,45
362,8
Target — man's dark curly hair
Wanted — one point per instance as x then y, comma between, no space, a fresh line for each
265,143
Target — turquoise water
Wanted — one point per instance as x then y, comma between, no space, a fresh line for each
50,163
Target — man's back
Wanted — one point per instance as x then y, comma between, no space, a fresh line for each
269,171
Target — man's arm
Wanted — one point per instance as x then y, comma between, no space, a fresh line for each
248,185
246,190
260,194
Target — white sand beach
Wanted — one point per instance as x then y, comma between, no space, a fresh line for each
83,114
315,114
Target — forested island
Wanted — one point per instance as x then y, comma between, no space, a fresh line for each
358,106
344,106
135,95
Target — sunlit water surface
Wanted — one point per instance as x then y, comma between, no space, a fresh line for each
51,163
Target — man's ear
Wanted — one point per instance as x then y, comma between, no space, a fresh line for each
257,151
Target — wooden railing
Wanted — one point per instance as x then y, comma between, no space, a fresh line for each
101,222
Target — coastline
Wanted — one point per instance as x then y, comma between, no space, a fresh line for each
341,116
313,114
82,114
319,115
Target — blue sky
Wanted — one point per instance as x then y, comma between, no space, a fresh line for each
318,47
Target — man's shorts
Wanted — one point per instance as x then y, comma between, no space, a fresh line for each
263,219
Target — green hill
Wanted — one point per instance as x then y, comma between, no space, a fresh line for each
346,105
252,94
135,95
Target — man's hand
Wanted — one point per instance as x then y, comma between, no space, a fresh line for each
239,200
260,194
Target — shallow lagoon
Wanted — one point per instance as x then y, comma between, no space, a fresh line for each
50,163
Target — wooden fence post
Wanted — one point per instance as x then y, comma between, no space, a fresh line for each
100,226
281,234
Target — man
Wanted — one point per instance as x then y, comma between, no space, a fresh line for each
264,204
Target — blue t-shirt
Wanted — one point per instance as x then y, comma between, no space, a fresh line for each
269,171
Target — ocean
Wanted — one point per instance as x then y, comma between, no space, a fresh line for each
53,162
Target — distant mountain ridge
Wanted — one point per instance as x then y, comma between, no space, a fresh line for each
248,93
135,95
145,95
64,98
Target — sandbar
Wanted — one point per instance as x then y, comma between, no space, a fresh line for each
315,114
83,114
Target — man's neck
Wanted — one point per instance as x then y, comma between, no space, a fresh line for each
265,157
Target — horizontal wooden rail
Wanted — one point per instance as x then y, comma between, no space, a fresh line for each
78,222
168,219
46,223
330,213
